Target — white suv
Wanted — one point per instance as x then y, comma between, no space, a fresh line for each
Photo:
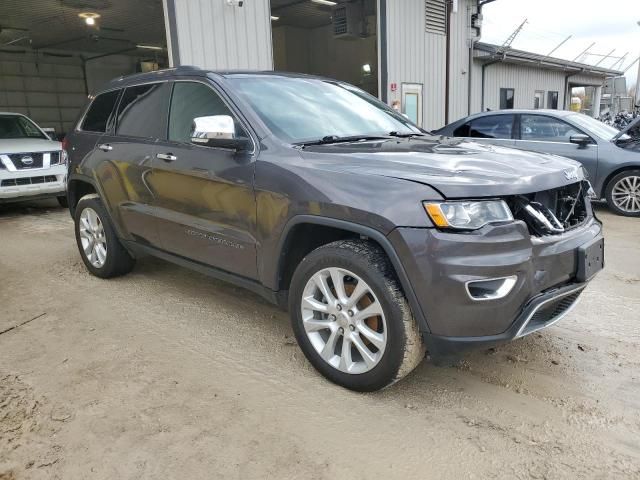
32,166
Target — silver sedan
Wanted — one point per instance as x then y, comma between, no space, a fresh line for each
611,157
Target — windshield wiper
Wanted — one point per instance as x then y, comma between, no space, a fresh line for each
407,135
332,139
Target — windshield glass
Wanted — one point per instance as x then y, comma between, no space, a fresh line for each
17,126
301,110
593,126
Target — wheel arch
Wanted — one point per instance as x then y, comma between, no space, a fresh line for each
619,170
290,255
78,187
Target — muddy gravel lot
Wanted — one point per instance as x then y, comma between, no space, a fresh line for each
168,374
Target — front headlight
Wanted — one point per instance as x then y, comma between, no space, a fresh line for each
468,215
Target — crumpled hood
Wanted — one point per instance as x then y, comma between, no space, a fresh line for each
456,168
28,145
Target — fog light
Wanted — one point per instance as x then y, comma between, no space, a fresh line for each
490,289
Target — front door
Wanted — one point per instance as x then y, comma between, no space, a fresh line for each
205,200
542,133
412,102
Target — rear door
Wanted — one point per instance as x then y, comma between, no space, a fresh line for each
494,129
546,134
205,197
125,164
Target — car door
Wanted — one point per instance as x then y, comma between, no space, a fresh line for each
125,159
493,129
546,134
205,197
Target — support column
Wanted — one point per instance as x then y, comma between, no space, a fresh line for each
597,97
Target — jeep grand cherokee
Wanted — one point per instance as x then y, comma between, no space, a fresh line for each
381,240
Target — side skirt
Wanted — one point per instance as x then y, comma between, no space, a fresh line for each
276,298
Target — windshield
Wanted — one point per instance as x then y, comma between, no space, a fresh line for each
593,126
17,126
299,110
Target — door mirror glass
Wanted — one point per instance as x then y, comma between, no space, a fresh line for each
217,131
580,139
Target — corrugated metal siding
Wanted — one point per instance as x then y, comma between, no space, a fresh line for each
459,74
415,56
525,81
214,35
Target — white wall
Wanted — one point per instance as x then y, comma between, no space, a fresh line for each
211,34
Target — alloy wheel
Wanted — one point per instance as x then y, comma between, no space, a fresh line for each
92,237
626,194
344,320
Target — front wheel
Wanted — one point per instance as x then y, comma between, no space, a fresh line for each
351,318
101,251
623,193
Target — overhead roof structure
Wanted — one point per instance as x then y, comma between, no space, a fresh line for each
489,53
55,24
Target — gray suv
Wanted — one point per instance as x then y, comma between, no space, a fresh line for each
382,241
611,157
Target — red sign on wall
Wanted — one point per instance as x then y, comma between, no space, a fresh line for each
394,87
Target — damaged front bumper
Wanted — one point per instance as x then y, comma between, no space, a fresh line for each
498,283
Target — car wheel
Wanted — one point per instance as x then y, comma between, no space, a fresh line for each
623,193
351,318
62,201
101,251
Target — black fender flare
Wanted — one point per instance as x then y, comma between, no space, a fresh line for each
363,231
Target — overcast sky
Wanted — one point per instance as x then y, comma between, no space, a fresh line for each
611,24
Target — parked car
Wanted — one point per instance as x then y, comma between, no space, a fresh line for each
381,240
32,166
611,157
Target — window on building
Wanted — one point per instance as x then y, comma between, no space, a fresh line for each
506,98
547,129
99,112
538,99
143,111
552,100
191,100
492,126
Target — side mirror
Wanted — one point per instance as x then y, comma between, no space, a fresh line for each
580,139
218,131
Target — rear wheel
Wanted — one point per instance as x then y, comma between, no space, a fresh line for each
101,251
351,318
623,193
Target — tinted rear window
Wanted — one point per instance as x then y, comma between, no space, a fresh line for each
143,111
97,117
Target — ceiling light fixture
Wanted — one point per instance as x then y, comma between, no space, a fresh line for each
274,18
89,17
149,47
325,2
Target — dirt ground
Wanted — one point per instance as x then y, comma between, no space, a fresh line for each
168,374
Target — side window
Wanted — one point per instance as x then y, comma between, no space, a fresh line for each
143,111
97,116
548,129
493,126
192,100
462,130
506,98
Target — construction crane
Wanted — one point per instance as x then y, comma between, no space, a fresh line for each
512,37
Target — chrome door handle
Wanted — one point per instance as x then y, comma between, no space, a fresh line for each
105,147
167,157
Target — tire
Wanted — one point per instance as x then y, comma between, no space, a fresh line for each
623,193
62,201
392,339
115,261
